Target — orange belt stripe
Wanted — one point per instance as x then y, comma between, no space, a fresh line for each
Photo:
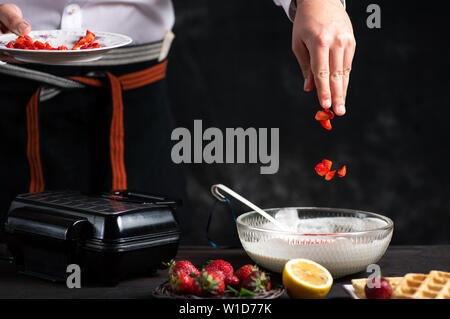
117,84
34,160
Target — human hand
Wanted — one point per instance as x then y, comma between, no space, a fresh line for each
11,20
323,42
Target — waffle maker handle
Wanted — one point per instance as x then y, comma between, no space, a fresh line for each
47,224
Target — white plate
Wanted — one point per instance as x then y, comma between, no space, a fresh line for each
107,41
351,291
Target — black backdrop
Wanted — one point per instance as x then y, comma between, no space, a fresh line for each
232,66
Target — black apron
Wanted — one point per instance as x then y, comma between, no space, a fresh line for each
74,144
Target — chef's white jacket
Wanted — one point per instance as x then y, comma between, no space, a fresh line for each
143,20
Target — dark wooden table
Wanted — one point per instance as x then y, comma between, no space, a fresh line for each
397,261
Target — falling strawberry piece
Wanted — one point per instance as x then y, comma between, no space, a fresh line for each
342,172
321,116
321,169
326,124
324,169
330,113
327,163
324,115
330,175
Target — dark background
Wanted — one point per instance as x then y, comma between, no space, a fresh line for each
232,66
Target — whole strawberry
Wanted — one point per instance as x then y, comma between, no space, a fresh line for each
257,282
209,283
182,284
224,267
245,271
182,267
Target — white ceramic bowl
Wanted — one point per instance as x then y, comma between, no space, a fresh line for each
344,241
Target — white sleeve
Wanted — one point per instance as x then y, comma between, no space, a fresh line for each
290,7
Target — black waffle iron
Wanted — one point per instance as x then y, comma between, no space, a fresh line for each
110,236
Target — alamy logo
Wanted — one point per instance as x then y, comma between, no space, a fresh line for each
374,19
230,146
374,280
74,279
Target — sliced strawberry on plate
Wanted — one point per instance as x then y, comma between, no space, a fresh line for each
39,45
77,46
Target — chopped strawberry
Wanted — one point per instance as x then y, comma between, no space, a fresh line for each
321,169
90,36
20,46
26,42
39,45
77,46
87,39
326,124
20,40
342,172
323,115
329,175
330,113
327,163
48,46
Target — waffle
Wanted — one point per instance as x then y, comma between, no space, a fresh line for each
435,285
360,284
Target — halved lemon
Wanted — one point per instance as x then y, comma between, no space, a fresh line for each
306,279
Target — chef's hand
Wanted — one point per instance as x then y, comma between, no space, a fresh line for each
323,42
11,20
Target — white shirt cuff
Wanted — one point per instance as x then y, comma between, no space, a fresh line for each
290,7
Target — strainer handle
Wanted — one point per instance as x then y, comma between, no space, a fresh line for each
215,191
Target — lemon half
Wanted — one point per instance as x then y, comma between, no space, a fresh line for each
306,279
